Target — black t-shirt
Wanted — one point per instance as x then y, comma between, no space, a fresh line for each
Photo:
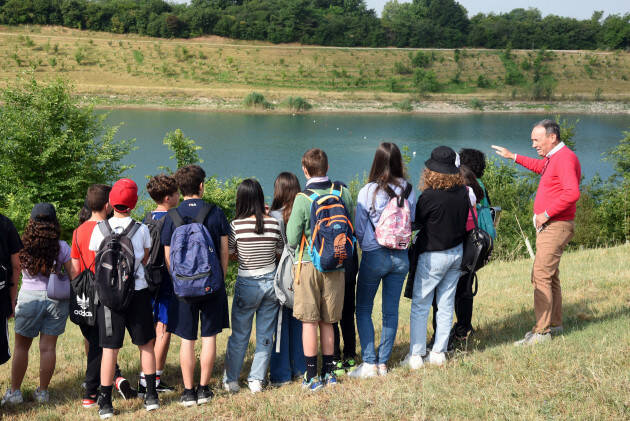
10,243
442,216
216,222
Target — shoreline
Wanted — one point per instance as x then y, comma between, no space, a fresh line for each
425,107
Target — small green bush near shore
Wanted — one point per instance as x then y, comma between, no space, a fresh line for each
257,100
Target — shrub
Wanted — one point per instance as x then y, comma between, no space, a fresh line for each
598,93
421,60
401,68
403,106
257,100
477,104
138,57
483,82
51,150
426,81
296,104
79,56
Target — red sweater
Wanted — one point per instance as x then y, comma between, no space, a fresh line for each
559,187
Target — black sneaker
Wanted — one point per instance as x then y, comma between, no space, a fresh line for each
189,398
124,388
151,403
142,390
204,394
105,408
163,387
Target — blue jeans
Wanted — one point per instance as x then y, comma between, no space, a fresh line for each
391,266
252,295
289,362
437,273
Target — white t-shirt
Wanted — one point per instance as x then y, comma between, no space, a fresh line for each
141,240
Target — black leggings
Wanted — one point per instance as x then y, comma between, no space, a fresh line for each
463,308
347,316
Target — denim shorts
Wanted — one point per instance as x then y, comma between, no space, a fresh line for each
35,313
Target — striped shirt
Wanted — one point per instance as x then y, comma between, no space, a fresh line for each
256,252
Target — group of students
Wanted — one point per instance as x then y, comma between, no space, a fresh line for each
319,226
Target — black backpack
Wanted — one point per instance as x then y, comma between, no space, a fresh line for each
83,297
155,268
115,267
478,247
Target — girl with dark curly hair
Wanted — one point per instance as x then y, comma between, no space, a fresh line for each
36,313
441,215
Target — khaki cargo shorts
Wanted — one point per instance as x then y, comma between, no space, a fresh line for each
318,296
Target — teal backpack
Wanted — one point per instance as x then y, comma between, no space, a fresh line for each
484,215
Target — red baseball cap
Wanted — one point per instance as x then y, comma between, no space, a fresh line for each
124,193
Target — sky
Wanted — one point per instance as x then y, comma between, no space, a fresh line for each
580,9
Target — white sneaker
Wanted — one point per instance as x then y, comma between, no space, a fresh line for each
255,386
41,396
382,369
414,362
532,338
364,371
436,358
231,387
12,397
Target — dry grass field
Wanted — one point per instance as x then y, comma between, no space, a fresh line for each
584,374
212,72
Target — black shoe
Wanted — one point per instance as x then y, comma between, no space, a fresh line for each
204,394
105,408
142,390
189,398
151,403
124,388
163,387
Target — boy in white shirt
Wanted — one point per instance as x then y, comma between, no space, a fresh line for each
138,316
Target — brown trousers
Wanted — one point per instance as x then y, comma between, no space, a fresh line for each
550,244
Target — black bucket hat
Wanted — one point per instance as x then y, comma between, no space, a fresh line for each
442,160
43,211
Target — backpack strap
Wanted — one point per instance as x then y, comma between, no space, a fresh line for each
203,213
297,272
309,194
131,229
177,219
105,228
336,189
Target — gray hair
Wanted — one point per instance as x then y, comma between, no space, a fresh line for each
551,127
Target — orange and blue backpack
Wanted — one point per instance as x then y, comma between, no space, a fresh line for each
332,234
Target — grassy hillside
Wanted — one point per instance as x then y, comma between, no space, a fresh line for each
584,374
219,73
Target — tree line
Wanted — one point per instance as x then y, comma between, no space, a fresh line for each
420,23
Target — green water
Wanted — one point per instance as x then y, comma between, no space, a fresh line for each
261,145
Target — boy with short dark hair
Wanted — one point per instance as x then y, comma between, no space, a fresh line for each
163,190
184,314
97,201
137,318
319,296
10,245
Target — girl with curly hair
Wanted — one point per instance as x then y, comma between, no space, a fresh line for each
37,314
441,215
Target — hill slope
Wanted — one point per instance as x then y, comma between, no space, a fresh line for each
219,73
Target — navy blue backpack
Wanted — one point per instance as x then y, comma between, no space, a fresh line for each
195,266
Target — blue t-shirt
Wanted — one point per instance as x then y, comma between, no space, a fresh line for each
216,222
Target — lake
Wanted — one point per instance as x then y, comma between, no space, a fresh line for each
261,146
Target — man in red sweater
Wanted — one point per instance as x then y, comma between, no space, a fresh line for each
554,212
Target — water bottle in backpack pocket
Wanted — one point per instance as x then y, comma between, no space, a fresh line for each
115,271
195,265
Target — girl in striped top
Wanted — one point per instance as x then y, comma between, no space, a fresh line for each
255,241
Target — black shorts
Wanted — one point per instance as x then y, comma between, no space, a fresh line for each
138,319
183,316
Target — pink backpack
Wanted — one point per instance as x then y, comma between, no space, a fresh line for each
393,229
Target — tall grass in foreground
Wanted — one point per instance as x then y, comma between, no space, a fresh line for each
584,374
